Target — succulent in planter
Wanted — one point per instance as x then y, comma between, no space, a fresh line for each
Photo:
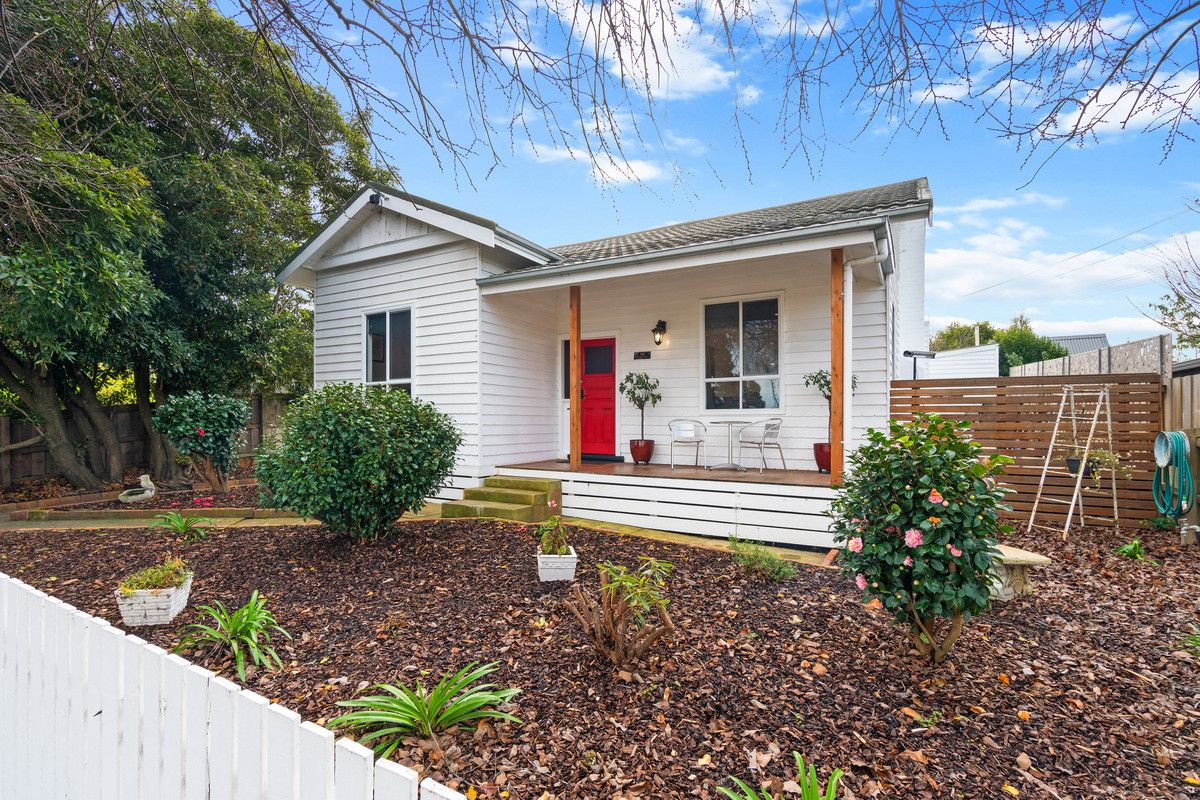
641,390
155,595
556,558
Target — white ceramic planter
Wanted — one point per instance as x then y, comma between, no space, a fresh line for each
557,568
154,606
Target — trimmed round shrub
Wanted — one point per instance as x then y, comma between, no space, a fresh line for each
918,518
357,458
206,428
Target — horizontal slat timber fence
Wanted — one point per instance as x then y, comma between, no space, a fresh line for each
1015,416
88,712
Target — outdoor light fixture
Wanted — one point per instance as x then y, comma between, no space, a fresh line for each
659,331
376,199
915,354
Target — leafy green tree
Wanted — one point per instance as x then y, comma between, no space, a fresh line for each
176,178
1018,343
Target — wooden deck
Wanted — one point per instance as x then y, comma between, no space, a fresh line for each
772,477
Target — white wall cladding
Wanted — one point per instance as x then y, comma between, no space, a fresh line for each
140,723
912,333
965,362
438,284
627,309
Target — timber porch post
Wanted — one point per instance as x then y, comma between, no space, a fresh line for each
575,371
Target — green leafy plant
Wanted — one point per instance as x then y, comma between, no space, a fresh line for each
1191,641
641,390
918,518
192,529
823,383
383,720
929,721
1162,524
244,633
1133,549
806,779
1104,462
166,575
207,429
553,536
756,559
357,458
619,623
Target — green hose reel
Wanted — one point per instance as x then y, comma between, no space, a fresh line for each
1174,491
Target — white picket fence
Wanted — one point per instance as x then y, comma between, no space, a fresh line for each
88,712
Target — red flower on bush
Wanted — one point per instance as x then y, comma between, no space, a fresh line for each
199,431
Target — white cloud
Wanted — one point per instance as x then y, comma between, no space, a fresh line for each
1118,328
548,153
632,171
748,95
995,203
951,92
1121,106
685,144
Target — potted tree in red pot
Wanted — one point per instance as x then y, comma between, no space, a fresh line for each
641,390
821,382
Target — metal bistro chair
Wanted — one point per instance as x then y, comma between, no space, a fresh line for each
762,435
688,432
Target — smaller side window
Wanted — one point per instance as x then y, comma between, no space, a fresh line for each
388,350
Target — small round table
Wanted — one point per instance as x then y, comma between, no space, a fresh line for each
730,464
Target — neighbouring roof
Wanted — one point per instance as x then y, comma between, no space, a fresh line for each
1081,342
841,207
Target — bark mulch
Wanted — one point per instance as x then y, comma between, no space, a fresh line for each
189,500
54,486
1077,691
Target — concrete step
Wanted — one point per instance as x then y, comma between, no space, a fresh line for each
550,487
519,512
528,497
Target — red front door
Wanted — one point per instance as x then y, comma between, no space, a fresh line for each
598,421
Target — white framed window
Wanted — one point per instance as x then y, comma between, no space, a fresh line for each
388,349
741,354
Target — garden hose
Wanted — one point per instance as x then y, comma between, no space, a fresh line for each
1174,491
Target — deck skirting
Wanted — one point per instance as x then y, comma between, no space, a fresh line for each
767,512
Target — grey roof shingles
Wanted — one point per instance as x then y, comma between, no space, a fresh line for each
843,207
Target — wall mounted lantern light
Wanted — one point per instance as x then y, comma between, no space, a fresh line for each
659,331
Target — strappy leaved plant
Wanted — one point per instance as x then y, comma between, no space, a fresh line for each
192,529
245,633
383,720
806,778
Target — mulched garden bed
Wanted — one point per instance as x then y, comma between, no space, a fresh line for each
192,500
54,486
1077,691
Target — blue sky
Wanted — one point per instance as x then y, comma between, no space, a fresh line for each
1057,244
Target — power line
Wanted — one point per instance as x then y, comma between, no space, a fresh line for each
1082,252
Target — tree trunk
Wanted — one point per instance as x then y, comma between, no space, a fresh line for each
37,392
159,452
84,398
80,432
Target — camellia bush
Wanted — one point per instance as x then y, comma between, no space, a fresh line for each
358,457
918,518
206,428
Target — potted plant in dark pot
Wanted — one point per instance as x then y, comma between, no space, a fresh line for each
641,390
820,380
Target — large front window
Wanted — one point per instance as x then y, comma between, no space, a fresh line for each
389,349
741,354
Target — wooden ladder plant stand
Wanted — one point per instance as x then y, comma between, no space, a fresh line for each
1070,410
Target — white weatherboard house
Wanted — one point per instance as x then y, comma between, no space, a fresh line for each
415,295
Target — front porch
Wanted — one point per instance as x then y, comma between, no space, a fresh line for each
788,507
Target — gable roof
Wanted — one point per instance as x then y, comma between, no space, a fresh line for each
910,194
1081,342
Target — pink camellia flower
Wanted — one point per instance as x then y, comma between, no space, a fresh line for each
935,497
860,581
908,562
913,537
855,545
199,431
954,551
